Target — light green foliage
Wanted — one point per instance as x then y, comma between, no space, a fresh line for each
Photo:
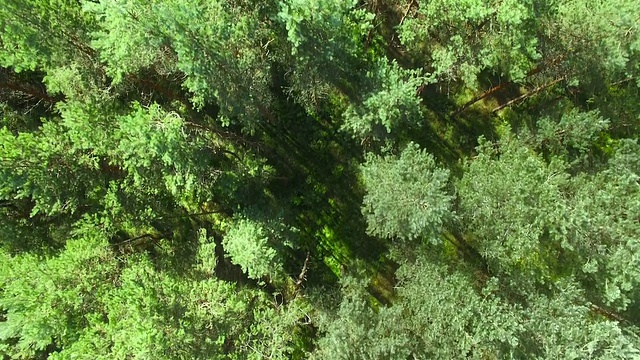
406,196
216,45
602,37
393,103
278,331
588,41
481,324
207,259
439,313
606,208
510,203
148,152
47,302
42,34
124,27
185,179
575,131
250,244
153,144
355,331
460,39
296,14
82,303
570,329
435,300
530,217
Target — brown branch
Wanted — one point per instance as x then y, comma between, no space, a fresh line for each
538,69
136,238
620,82
406,13
468,252
528,94
303,274
7,204
369,38
237,139
193,214
164,91
606,313
480,97
266,113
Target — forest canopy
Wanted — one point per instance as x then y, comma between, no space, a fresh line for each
319,179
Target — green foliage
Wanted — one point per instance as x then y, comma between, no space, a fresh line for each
393,103
278,331
438,313
186,180
83,303
355,331
325,51
606,208
511,203
296,13
215,45
590,42
46,302
207,258
602,37
42,34
40,166
251,245
462,39
575,131
530,217
406,196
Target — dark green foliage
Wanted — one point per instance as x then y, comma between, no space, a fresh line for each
325,56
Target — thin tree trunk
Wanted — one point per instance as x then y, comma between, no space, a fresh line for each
480,97
406,13
303,275
140,237
530,93
608,314
623,81
538,69
469,252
